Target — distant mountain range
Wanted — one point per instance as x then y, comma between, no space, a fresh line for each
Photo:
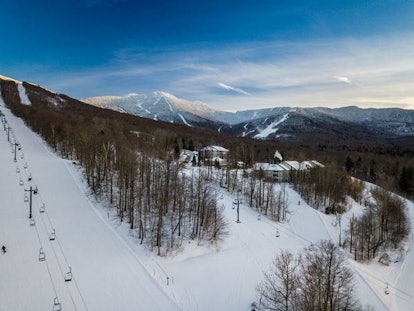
347,126
280,123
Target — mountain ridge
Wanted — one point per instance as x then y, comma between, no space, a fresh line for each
345,126
388,122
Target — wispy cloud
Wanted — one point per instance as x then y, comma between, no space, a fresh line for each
343,79
375,72
231,88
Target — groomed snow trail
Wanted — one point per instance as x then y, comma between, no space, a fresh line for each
106,273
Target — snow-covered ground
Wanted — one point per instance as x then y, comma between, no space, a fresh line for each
111,271
107,274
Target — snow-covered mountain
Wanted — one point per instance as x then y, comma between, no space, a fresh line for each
310,126
167,107
159,106
270,123
348,123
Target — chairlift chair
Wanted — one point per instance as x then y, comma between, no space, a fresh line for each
22,156
277,233
52,236
386,290
42,255
29,178
17,169
56,305
32,222
21,182
26,197
42,208
35,190
25,165
68,275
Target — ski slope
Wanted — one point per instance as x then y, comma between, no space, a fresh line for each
112,272
272,127
107,275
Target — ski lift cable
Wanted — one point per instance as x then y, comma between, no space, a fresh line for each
59,265
49,220
39,201
403,298
63,274
41,247
25,169
73,277
51,278
390,286
46,263
60,246
80,293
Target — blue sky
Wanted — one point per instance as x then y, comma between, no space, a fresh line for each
230,54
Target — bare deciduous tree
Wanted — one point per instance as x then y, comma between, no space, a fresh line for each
278,291
317,279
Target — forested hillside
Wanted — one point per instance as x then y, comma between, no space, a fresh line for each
133,162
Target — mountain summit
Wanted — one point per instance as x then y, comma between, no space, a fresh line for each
158,106
346,126
281,123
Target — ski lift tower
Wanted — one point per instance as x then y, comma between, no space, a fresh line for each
237,202
34,191
8,128
15,145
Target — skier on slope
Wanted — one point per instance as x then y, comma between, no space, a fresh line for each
3,248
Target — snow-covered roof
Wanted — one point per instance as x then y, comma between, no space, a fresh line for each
215,148
316,163
293,164
287,165
269,167
309,164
